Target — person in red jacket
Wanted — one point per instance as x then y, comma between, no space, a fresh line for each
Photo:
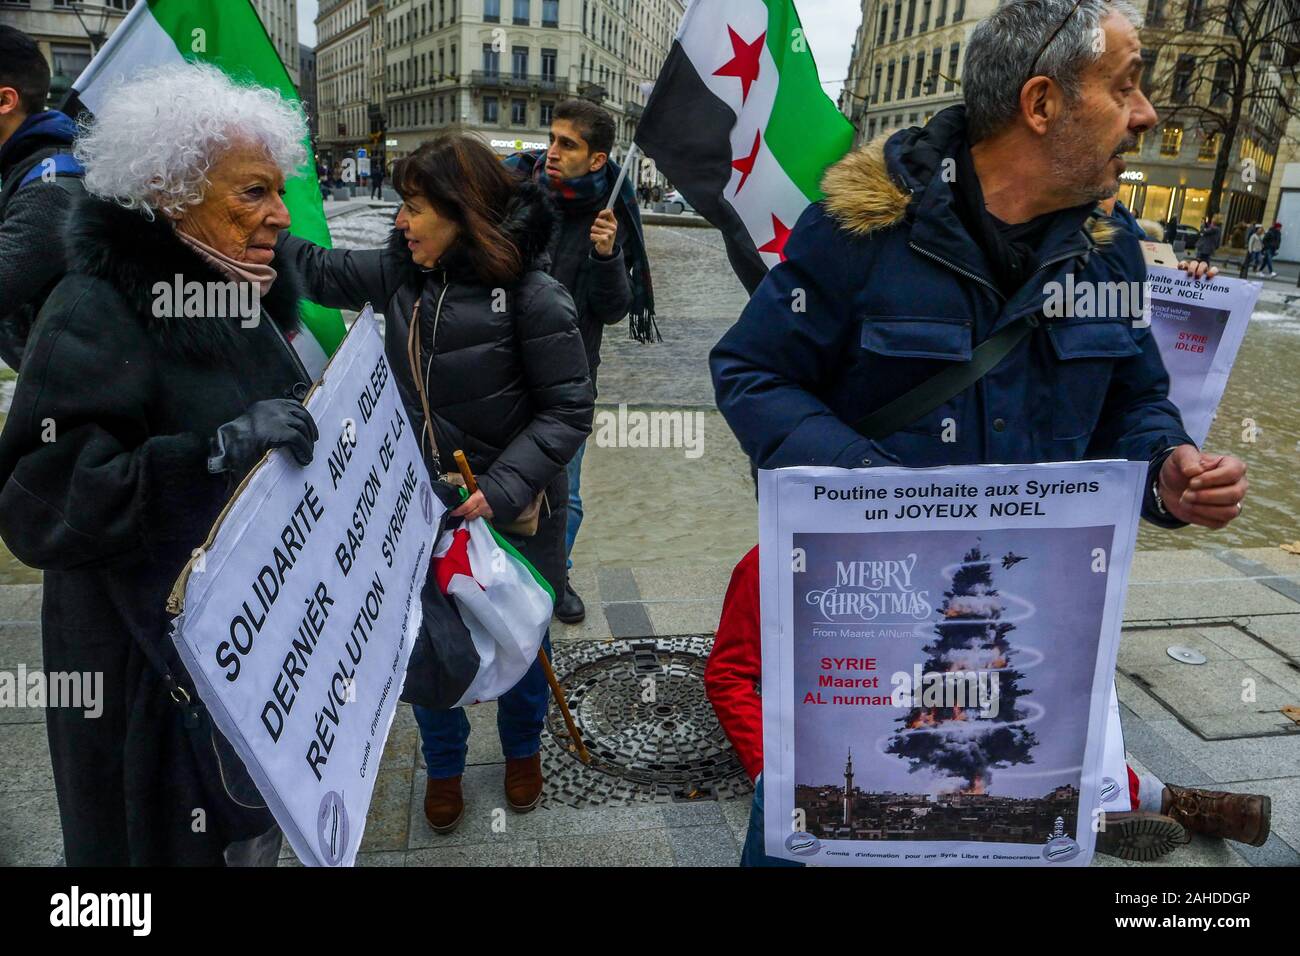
1161,818
733,679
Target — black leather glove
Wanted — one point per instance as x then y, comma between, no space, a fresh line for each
274,423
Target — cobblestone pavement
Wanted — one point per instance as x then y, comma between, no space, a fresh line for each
661,535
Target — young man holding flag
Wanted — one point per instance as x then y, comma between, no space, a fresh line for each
597,252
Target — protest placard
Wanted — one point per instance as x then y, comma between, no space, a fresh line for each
1198,326
938,654
299,616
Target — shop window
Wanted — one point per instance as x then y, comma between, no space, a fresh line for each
1156,204
1194,203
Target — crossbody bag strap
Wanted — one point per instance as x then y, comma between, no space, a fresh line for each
413,357
933,392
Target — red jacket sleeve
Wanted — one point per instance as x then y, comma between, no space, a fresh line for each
734,672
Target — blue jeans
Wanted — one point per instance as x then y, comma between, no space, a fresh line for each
752,854
521,716
575,501
1268,261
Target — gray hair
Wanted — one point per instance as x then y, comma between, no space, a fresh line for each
159,134
1002,49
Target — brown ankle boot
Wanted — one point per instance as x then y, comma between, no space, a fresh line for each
1243,817
443,804
524,782
1140,835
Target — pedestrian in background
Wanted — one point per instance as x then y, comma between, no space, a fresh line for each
1272,242
39,180
1207,243
1254,246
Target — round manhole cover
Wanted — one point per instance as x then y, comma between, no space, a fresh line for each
651,732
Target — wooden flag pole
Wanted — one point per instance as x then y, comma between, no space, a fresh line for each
468,474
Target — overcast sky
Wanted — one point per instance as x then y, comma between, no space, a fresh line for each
829,24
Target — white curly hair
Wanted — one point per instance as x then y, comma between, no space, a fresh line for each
158,135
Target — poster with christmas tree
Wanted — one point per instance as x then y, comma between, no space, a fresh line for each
938,651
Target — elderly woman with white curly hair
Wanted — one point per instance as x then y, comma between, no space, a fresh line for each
134,419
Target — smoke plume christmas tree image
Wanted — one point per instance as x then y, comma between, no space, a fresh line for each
956,667
971,636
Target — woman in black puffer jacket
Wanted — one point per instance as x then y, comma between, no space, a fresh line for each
506,380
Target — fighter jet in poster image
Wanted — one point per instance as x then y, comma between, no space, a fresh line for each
958,741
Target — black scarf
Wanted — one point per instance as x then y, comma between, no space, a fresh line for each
1012,250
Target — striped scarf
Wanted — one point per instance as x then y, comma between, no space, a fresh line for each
592,190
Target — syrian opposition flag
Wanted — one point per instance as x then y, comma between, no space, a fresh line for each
505,606
229,35
738,121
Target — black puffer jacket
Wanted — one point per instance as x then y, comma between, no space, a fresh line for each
111,510
509,387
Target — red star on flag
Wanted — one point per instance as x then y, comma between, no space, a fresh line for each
744,63
745,165
781,232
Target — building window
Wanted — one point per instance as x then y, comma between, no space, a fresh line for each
491,61
550,13
884,24
959,11
1155,12
917,74
492,13
519,62
942,18
1149,58
889,83
490,109
911,17
70,60
522,12
1209,150
1137,144
902,77
519,112
1222,88
1195,13
898,19
875,85
954,54
1171,141
548,109
548,65
1183,77
925,16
